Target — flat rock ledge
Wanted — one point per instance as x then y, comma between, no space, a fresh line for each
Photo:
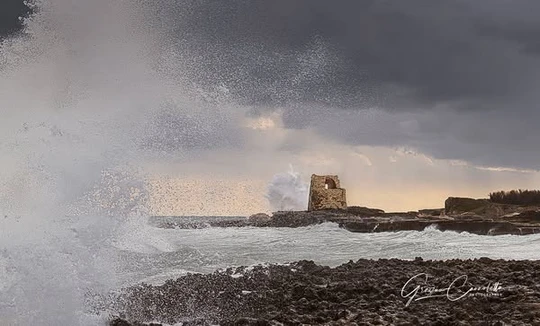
366,220
366,292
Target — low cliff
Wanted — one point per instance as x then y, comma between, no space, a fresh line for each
484,208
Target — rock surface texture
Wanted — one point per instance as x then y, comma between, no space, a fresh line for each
366,292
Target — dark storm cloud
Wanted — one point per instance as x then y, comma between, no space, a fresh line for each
457,79
464,73
440,51
10,11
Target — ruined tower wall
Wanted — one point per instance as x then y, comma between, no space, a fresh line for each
325,193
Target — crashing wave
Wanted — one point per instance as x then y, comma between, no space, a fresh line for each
287,192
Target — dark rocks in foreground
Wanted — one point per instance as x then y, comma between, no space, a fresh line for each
366,292
517,221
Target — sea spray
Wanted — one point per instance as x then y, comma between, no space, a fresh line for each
80,90
91,94
288,192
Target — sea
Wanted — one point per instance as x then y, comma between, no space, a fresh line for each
46,279
157,255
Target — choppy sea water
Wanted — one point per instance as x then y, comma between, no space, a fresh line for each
45,277
154,255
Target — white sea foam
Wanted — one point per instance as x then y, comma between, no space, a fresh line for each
208,250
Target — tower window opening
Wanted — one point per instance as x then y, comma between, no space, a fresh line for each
329,184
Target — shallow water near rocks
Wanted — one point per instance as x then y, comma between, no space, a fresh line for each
163,254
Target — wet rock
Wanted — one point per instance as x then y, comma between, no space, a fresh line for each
481,227
486,209
531,216
364,211
366,292
260,217
494,221
431,212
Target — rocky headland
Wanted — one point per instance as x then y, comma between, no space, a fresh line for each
367,292
479,216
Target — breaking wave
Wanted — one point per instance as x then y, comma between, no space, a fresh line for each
288,192
86,92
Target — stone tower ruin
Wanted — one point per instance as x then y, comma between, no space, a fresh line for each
325,193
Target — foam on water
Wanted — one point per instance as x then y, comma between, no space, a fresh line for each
206,250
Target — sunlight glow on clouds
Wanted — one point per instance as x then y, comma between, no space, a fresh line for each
233,182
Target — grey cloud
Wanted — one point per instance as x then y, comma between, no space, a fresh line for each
481,138
10,11
455,51
458,79
173,131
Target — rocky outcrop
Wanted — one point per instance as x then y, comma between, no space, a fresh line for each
366,292
364,211
479,216
460,205
529,216
367,220
484,208
481,227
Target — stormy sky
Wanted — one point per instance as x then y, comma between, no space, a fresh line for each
10,12
460,77
450,83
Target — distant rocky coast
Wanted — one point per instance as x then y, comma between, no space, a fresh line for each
479,216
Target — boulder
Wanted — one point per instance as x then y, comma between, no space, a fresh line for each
431,212
460,205
364,211
260,218
485,208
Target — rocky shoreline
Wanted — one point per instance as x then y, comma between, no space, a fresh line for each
459,215
366,292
